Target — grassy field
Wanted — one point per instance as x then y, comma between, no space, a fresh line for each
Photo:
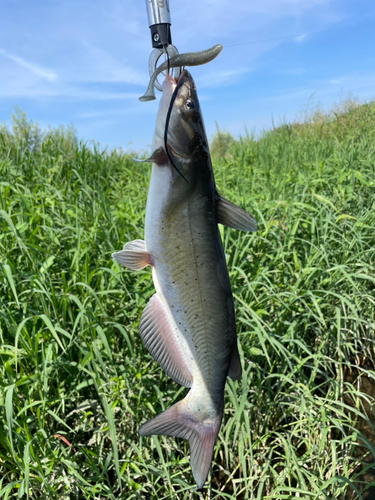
75,379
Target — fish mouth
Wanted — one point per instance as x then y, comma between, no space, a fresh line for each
171,86
165,132
171,82
184,76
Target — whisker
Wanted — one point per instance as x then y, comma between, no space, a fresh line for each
174,95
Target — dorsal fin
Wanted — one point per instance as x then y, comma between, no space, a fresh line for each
230,215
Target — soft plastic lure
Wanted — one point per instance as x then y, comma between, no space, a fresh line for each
187,59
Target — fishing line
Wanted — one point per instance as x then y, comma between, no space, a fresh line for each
174,95
166,50
289,36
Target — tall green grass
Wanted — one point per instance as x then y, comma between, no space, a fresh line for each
75,380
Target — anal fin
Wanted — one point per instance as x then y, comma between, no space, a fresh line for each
230,215
235,368
134,255
158,333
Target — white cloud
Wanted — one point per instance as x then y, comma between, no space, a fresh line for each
108,44
95,64
32,88
241,19
30,80
83,58
300,39
43,73
83,95
292,71
220,78
142,109
315,91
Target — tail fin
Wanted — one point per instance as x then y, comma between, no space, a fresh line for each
177,421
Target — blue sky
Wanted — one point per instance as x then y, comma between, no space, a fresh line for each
84,62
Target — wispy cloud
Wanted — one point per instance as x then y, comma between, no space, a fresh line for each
292,71
26,79
300,39
108,46
96,64
33,87
251,19
63,92
45,74
83,95
87,61
351,82
146,109
221,78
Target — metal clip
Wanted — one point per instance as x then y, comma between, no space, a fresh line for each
159,21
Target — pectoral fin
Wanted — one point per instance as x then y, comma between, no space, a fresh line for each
134,255
158,157
231,215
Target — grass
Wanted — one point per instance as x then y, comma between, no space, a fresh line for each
75,380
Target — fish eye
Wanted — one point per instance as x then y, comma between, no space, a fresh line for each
189,104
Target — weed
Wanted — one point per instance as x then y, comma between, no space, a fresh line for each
75,380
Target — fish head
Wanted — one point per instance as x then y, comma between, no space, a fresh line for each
180,131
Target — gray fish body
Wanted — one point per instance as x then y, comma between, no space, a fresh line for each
188,326
190,273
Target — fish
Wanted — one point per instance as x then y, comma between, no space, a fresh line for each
188,325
